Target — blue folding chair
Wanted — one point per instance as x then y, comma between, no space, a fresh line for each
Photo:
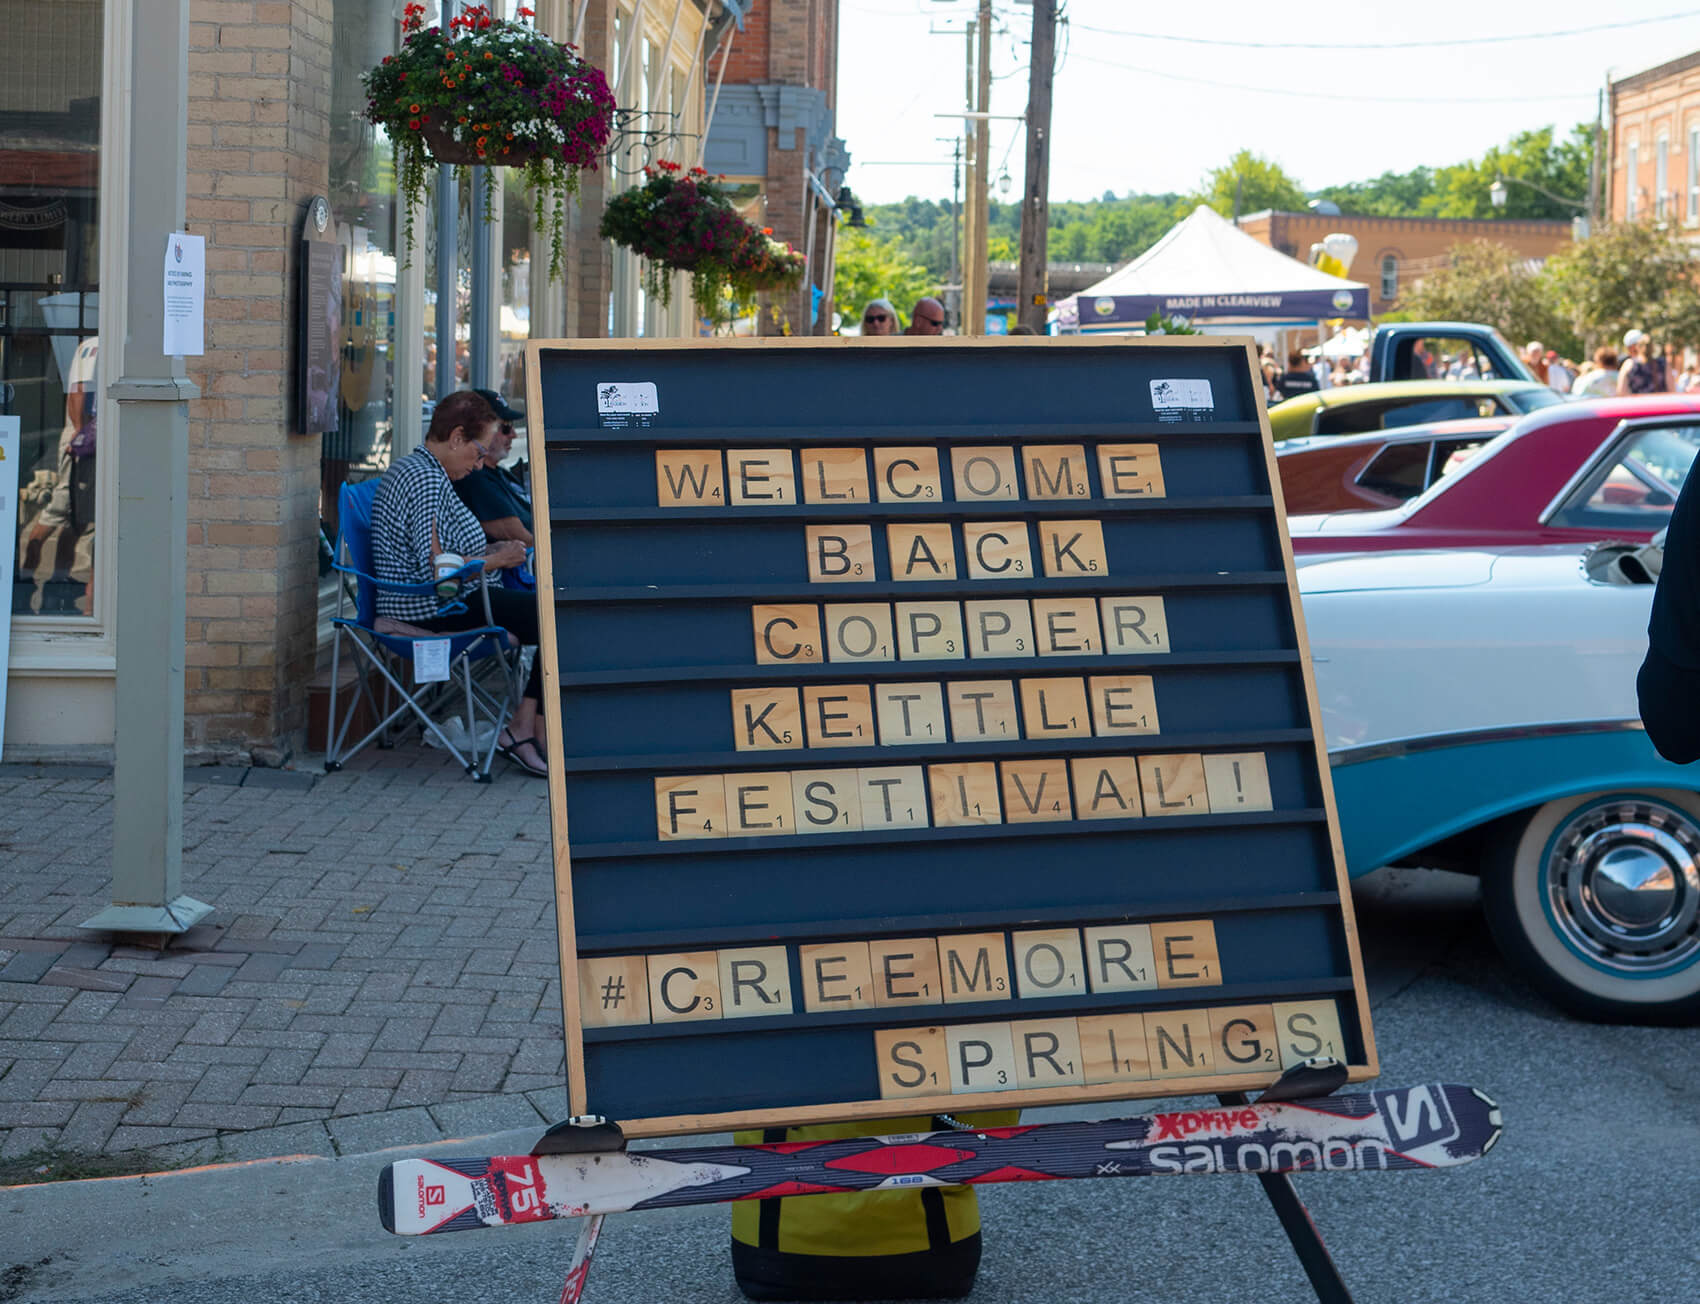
379,656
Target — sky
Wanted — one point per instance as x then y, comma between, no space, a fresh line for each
1136,113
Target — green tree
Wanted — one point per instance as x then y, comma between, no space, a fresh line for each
1257,183
1493,283
1392,194
1630,274
871,268
1531,162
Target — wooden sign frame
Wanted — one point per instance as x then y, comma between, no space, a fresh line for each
1139,473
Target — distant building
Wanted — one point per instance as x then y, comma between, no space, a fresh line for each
1395,252
1653,145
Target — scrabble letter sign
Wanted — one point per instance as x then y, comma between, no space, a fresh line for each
930,729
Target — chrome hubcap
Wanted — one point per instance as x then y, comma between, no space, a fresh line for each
1623,884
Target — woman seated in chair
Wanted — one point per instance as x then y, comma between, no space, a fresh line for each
416,516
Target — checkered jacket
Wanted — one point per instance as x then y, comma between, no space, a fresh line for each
415,495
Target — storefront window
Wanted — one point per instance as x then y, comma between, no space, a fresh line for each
50,80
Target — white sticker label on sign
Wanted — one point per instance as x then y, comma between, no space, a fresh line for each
615,397
430,660
1170,394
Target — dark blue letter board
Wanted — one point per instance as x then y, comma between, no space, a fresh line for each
931,727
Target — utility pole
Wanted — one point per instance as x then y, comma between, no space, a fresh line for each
1034,291
971,197
976,325
953,297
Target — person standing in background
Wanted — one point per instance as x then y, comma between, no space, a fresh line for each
879,318
1641,372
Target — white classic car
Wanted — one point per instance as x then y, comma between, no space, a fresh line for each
1480,714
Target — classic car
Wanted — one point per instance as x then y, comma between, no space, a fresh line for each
1354,409
1584,471
1412,350
1480,715
1358,473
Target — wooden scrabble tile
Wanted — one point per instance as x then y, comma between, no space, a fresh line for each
893,797
906,971
764,718
1307,1029
911,1062
859,631
982,710
1035,790
1173,784
1047,1053
761,477
1112,1048
1048,963
1056,471
690,806
984,474
838,715
1054,708
689,477
909,713
1184,951
835,475
759,805
907,475
836,977
1066,627
1134,624
1106,788
1122,704
755,982
826,801
1070,549
839,554
974,967
613,991
997,550
921,552
1119,958
1130,471
684,988
930,631
1001,628
1237,781
1178,1043
1245,1040
982,1057
787,633
964,793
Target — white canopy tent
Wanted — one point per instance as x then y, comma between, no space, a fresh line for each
1207,269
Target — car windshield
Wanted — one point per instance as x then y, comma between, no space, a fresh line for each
1536,396
1636,487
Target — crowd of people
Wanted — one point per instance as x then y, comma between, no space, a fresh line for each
926,318
1641,367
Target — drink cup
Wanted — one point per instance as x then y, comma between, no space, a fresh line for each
446,564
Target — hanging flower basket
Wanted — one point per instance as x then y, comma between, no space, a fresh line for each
683,221
493,92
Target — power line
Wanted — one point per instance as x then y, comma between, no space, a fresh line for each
1616,25
1321,95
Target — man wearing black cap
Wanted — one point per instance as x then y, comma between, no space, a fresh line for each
501,502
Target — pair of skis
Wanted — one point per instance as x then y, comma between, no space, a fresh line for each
1431,1126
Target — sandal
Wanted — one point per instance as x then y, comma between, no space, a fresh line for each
512,752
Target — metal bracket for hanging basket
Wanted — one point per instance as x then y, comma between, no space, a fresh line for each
641,133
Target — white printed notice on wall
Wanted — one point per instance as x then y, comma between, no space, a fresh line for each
185,294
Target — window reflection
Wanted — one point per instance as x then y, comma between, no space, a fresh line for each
50,74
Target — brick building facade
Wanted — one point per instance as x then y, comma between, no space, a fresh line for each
1394,252
275,119
1653,164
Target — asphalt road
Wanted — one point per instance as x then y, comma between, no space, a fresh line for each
1593,1195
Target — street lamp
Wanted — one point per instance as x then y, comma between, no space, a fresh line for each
1580,225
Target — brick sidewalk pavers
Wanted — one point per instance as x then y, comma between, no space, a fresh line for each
379,968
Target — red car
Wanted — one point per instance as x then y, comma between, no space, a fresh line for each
1577,472
1356,473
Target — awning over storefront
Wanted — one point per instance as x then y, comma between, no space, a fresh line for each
1206,268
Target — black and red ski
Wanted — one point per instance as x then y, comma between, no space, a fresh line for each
1431,1126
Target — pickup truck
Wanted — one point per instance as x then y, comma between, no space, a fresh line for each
1406,350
